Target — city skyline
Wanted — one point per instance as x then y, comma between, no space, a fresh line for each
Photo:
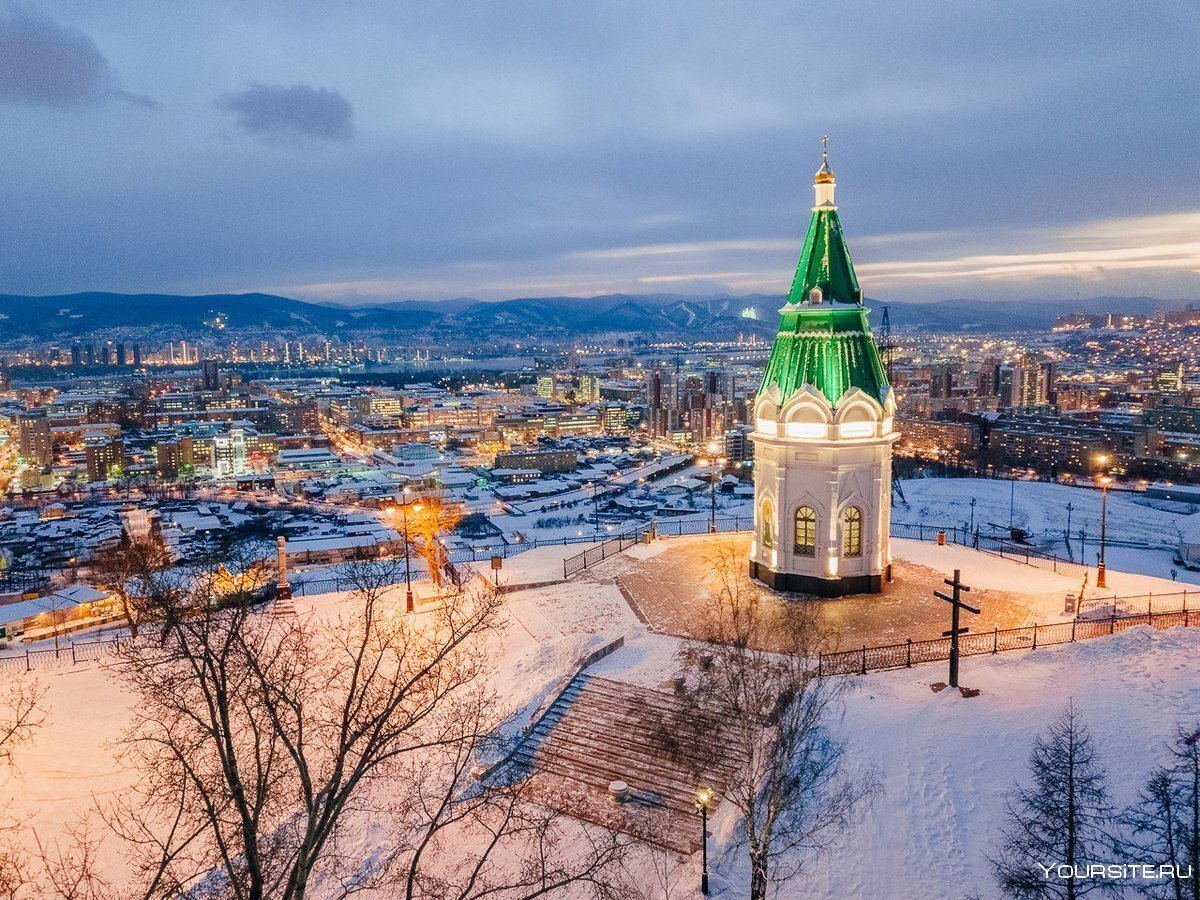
493,153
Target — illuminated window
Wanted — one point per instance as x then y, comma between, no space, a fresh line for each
805,543
768,526
852,532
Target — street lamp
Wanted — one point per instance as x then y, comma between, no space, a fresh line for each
704,797
409,606
1012,498
1105,481
713,461
595,486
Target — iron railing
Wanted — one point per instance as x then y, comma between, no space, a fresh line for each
593,555
67,653
1028,637
1132,604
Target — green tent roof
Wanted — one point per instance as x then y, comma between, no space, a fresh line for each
828,345
825,263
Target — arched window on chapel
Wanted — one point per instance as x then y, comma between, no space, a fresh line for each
805,542
852,537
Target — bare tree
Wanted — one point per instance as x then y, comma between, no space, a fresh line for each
1061,818
759,694
130,571
68,865
435,517
1165,821
21,715
57,610
262,740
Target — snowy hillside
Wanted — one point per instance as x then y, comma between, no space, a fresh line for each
946,762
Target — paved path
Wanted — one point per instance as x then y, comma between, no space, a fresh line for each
670,591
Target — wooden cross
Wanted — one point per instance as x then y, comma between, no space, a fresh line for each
956,603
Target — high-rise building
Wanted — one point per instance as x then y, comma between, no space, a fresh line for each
76,355
823,429
121,359
589,389
941,383
662,403
229,453
105,457
34,439
210,373
175,457
989,378
137,356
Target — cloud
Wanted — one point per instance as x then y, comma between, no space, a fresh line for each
1089,250
297,110
47,64
750,246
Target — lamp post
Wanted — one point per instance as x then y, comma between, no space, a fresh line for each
704,797
409,606
1012,499
713,462
1105,481
974,500
595,486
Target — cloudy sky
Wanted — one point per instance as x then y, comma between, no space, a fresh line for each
389,150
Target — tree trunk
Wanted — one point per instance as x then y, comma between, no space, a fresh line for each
758,876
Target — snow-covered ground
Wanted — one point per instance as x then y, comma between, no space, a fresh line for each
988,570
1041,509
1038,506
945,762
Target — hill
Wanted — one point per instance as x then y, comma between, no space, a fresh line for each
66,316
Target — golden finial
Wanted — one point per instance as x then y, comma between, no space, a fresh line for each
824,174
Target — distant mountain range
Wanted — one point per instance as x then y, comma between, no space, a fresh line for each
67,316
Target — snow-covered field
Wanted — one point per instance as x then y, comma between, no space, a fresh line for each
1041,509
1038,506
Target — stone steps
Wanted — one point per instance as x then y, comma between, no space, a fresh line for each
600,730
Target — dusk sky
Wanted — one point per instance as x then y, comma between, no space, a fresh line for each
385,151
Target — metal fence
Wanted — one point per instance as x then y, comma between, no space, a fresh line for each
332,584
67,653
593,555
1031,556
990,543
487,551
1030,637
722,524
1133,604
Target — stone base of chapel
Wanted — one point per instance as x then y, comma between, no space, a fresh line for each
796,583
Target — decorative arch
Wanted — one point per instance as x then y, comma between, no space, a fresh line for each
807,414
766,412
766,523
858,415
